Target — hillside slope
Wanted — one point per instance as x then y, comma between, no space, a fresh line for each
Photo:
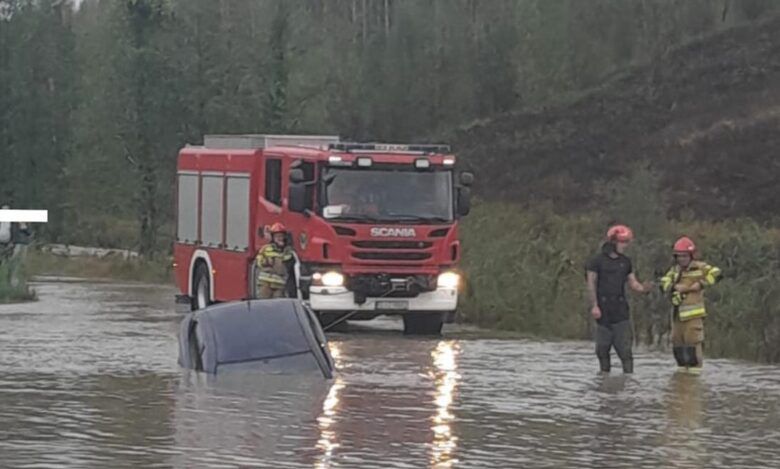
706,117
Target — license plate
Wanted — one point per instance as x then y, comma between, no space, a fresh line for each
392,305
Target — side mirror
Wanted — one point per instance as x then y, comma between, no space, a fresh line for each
466,178
464,201
297,198
296,175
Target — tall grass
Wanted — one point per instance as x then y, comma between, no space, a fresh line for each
13,282
525,270
157,270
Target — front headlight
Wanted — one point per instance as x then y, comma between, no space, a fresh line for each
332,279
448,280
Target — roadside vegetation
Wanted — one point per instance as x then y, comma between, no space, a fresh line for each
659,114
13,282
525,268
156,270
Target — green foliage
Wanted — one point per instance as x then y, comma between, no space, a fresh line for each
156,271
525,272
13,282
94,105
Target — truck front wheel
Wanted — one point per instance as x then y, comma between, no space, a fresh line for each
423,323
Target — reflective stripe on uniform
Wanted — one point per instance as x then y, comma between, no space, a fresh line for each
270,254
713,276
270,278
691,311
668,280
692,273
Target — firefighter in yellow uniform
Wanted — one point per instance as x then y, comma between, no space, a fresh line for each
684,284
273,264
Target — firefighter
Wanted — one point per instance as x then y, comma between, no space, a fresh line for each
274,263
607,275
684,284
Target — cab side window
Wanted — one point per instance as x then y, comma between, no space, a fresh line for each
273,181
308,174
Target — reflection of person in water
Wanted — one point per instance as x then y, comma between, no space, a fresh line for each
608,433
682,443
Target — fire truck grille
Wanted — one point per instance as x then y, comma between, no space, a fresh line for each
382,285
392,256
392,244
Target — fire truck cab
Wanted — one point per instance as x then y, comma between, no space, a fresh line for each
374,226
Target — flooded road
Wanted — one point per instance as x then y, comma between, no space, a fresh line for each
88,378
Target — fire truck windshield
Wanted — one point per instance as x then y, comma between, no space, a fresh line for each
388,195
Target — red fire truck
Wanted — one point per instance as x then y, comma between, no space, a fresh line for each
374,226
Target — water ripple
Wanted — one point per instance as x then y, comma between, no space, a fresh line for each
88,377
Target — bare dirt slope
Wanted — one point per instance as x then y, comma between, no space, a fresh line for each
706,117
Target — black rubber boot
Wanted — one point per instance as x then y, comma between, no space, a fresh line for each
690,355
605,364
679,356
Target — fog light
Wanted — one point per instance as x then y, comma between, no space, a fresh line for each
449,280
332,279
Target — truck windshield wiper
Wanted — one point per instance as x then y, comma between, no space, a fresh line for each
434,218
357,217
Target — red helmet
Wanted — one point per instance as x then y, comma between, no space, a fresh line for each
684,245
278,227
620,233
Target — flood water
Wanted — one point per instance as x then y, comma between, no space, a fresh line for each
88,378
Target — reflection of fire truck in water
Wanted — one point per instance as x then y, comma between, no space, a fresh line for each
374,226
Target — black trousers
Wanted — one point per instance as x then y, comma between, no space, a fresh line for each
620,336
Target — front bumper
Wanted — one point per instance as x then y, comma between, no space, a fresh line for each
341,299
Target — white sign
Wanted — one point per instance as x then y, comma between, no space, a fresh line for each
24,216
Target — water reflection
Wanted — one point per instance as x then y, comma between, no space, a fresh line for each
88,378
685,444
446,379
328,441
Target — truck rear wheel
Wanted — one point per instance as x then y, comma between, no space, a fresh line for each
201,288
423,323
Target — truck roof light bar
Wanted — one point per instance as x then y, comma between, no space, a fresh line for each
389,147
364,161
422,163
338,161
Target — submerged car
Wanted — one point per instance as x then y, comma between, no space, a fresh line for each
281,336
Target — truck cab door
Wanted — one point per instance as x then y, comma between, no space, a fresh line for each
301,189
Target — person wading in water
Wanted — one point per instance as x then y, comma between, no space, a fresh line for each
607,274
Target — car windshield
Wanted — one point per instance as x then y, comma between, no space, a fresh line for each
386,195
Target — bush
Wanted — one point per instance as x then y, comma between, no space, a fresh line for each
525,272
13,282
157,270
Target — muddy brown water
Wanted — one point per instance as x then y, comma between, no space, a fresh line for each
88,378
